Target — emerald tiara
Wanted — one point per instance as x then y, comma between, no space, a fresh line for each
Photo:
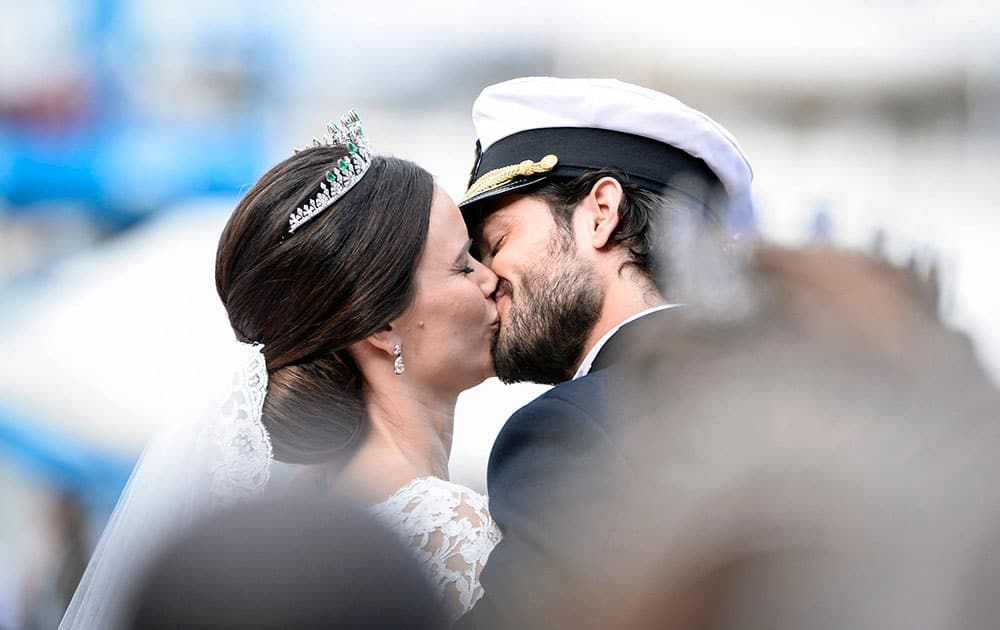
348,171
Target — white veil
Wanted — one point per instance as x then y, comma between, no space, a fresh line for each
188,470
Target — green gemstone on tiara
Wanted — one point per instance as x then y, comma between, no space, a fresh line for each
352,167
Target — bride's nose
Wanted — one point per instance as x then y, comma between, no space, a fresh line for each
487,279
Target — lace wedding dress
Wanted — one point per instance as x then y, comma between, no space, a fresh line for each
451,532
193,469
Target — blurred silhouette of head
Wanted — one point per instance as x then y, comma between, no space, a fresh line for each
803,463
286,563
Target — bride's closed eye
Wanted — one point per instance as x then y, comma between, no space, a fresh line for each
462,262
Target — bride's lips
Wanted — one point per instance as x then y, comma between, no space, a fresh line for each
496,325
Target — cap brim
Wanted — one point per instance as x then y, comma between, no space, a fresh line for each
470,207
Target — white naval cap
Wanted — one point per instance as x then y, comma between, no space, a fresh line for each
538,128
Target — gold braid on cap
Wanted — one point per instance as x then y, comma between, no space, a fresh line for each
500,176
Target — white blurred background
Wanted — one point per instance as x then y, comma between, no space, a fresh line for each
129,128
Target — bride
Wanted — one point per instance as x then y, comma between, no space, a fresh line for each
361,314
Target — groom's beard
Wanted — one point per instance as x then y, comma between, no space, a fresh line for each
548,322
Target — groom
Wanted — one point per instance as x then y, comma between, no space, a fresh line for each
574,183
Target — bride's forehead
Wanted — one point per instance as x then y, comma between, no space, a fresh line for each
443,208
446,228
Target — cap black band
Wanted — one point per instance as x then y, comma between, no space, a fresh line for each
649,164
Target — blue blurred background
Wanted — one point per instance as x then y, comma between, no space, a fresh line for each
129,128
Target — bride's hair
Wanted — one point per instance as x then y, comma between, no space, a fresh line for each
307,296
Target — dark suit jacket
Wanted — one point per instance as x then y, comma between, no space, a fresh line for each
548,460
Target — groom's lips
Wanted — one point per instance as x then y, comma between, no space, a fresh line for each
496,324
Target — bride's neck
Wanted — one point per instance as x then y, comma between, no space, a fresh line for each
408,437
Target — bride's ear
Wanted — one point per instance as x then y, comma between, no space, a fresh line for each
382,341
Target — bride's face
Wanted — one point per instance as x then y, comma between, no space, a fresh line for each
447,332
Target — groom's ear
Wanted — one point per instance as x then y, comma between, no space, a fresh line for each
603,203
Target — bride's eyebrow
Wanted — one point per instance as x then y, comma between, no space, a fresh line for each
460,259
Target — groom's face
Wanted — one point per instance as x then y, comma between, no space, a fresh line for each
548,297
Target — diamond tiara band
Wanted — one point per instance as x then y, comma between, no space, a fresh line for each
348,172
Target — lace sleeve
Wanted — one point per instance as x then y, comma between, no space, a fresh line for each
451,532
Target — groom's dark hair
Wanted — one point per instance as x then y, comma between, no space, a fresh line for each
308,296
643,217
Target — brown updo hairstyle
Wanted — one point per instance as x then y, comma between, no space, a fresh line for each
308,296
